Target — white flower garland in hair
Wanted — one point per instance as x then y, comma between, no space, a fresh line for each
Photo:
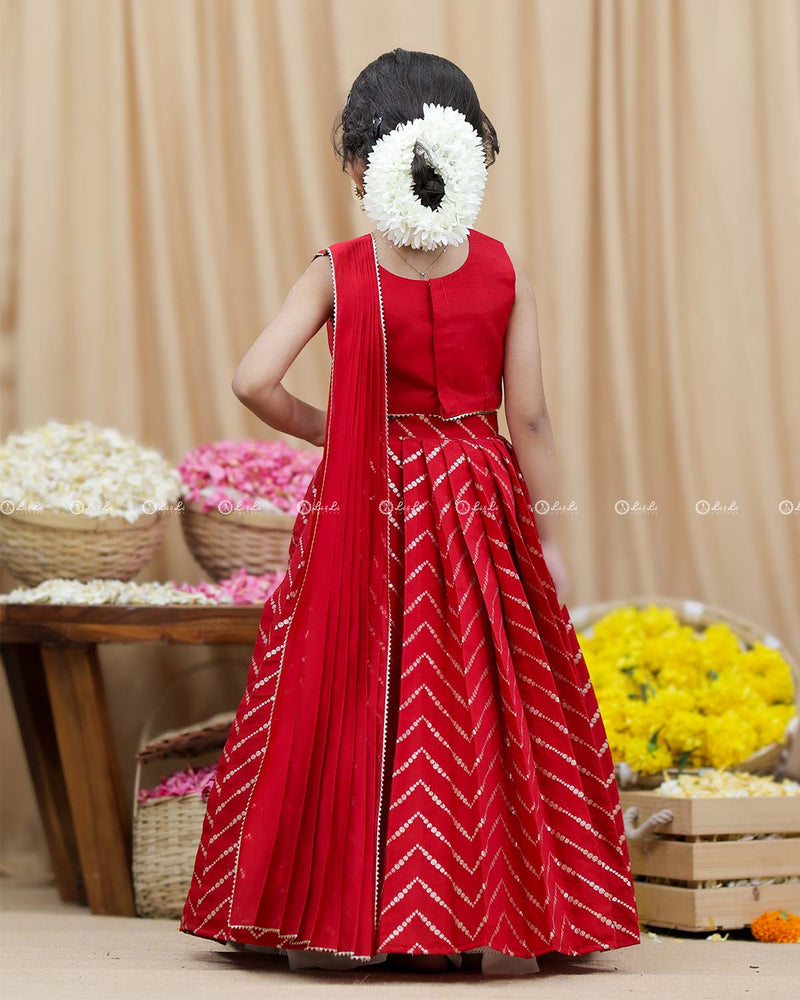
454,149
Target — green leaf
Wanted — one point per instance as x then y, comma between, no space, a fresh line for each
652,743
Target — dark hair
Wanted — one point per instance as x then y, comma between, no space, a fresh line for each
392,90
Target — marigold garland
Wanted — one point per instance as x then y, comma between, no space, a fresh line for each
777,926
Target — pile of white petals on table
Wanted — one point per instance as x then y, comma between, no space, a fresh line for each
240,588
98,591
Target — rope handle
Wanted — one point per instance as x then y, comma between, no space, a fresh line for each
168,689
646,830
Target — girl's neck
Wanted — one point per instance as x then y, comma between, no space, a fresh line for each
419,262
407,251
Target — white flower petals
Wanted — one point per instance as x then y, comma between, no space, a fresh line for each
456,151
98,591
83,469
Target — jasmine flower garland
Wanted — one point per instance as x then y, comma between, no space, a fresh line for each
454,148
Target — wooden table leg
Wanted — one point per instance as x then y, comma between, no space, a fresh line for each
91,770
28,687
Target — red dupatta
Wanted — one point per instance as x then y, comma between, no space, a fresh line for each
308,854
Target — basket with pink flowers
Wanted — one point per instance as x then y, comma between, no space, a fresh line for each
241,501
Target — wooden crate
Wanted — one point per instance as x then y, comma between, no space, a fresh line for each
685,852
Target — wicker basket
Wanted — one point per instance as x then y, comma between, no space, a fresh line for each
221,543
41,545
769,759
166,831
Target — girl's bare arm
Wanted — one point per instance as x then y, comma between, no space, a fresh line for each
524,400
257,380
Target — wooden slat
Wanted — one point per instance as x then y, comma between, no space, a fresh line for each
723,860
129,623
93,781
703,817
711,909
28,687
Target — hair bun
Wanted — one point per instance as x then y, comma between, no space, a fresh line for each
428,182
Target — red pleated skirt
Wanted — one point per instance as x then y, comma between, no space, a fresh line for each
502,826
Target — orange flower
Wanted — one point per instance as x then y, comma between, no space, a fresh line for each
776,925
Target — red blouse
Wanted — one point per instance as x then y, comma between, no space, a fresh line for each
445,335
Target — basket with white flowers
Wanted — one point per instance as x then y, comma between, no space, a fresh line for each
81,502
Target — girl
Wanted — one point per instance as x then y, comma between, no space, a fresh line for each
418,768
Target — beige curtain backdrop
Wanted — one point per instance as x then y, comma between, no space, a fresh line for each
167,174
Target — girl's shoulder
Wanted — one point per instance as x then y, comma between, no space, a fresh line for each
492,244
340,247
485,238
494,253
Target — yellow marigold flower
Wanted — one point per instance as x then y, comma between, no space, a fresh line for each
670,694
762,658
685,732
674,699
719,695
656,621
719,642
617,743
640,754
612,717
642,722
730,739
604,675
770,721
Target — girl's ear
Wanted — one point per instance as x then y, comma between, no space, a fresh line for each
355,168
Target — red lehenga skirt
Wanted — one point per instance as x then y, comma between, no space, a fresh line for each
418,763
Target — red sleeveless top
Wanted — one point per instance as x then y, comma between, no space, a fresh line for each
445,335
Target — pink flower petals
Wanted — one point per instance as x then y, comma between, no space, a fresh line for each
267,475
187,782
240,587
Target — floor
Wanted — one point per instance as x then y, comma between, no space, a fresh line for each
54,950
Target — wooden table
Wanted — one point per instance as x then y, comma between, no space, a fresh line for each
51,662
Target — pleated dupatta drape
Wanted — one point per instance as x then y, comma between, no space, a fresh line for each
308,854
